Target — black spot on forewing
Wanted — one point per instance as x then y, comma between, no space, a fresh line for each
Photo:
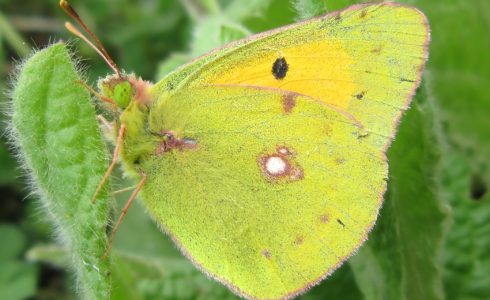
280,68
340,222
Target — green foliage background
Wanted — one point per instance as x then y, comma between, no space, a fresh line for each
433,236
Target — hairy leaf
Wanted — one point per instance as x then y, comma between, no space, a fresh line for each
55,130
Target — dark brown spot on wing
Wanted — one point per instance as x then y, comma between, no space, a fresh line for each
324,219
363,14
339,160
362,133
378,50
288,102
328,130
266,253
284,150
360,95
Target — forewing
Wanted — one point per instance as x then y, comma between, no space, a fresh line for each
366,60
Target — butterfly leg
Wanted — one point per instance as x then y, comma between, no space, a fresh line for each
127,189
119,141
104,122
124,212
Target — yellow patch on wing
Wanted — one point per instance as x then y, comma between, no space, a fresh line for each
324,76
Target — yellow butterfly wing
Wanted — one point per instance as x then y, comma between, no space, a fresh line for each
366,60
319,99
266,201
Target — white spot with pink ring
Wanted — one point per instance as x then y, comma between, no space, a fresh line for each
276,165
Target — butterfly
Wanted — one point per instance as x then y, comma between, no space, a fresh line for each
265,160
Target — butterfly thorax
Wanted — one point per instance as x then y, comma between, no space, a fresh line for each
133,100
142,140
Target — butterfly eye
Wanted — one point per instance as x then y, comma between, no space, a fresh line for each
123,94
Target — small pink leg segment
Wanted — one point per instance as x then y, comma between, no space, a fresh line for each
119,141
124,212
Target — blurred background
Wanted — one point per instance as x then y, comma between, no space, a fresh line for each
433,236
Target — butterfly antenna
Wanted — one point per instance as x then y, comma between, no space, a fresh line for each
97,94
100,49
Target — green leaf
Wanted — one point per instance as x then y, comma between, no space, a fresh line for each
239,10
211,6
146,277
170,64
401,258
8,171
206,36
55,130
18,279
214,31
52,254
277,13
13,242
340,285
231,31
459,85
197,9
309,8
12,37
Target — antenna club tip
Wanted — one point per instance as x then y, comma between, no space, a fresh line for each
98,47
72,29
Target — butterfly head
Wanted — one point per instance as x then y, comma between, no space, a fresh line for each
119,89
124,88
